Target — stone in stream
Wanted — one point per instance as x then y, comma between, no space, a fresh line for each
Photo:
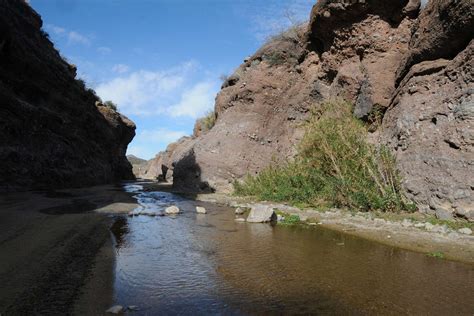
200,210
239,211
172,210
465,231
117,309
240,219
261,213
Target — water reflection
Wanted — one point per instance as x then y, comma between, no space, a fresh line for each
120,230
210,264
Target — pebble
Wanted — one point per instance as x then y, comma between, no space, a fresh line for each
117,309
239,211
419,225
201,210
465,231
133,308
240,219
172,210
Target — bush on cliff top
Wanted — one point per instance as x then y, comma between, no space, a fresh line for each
208,121
336,167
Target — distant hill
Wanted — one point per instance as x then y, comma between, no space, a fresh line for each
134,160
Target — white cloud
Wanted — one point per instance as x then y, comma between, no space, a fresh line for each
72,37
120,68
161,135
77,38
148,142
195,102
174,92
56,29
104,50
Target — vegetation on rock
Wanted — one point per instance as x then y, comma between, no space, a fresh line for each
111,105
336,167
208,121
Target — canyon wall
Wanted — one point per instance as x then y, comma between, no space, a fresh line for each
408,73
54,132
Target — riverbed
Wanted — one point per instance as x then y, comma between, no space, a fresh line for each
78,251
211,264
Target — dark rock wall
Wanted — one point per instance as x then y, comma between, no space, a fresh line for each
52,134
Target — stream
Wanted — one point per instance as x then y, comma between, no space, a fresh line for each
211,264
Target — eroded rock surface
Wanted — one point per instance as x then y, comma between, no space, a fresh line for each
52,132
408,73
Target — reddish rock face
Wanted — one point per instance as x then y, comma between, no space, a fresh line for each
383,56
52,132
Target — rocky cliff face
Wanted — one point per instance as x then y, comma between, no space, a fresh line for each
408,73
53,134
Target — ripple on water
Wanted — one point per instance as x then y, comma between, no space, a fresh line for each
212,265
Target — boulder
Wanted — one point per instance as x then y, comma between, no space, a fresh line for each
200,210
172,210
261,214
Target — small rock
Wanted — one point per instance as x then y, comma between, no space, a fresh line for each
200,210
172,210
312,224
465,231
419,225
131,214
261,213
429,227
239,211
443,214
280,218
240,219
117,309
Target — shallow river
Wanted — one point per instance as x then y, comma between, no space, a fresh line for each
210,264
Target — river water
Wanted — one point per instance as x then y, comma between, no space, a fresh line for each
211,264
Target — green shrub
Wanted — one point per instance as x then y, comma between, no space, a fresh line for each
208,121
336,167
111,105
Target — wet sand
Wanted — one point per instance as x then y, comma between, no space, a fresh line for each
56,254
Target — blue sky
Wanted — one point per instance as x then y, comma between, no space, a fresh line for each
161,60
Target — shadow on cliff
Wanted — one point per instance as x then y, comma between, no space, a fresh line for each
187,177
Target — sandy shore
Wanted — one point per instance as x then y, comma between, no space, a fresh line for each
392,231
56,252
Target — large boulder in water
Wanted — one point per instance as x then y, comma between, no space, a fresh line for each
261,214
